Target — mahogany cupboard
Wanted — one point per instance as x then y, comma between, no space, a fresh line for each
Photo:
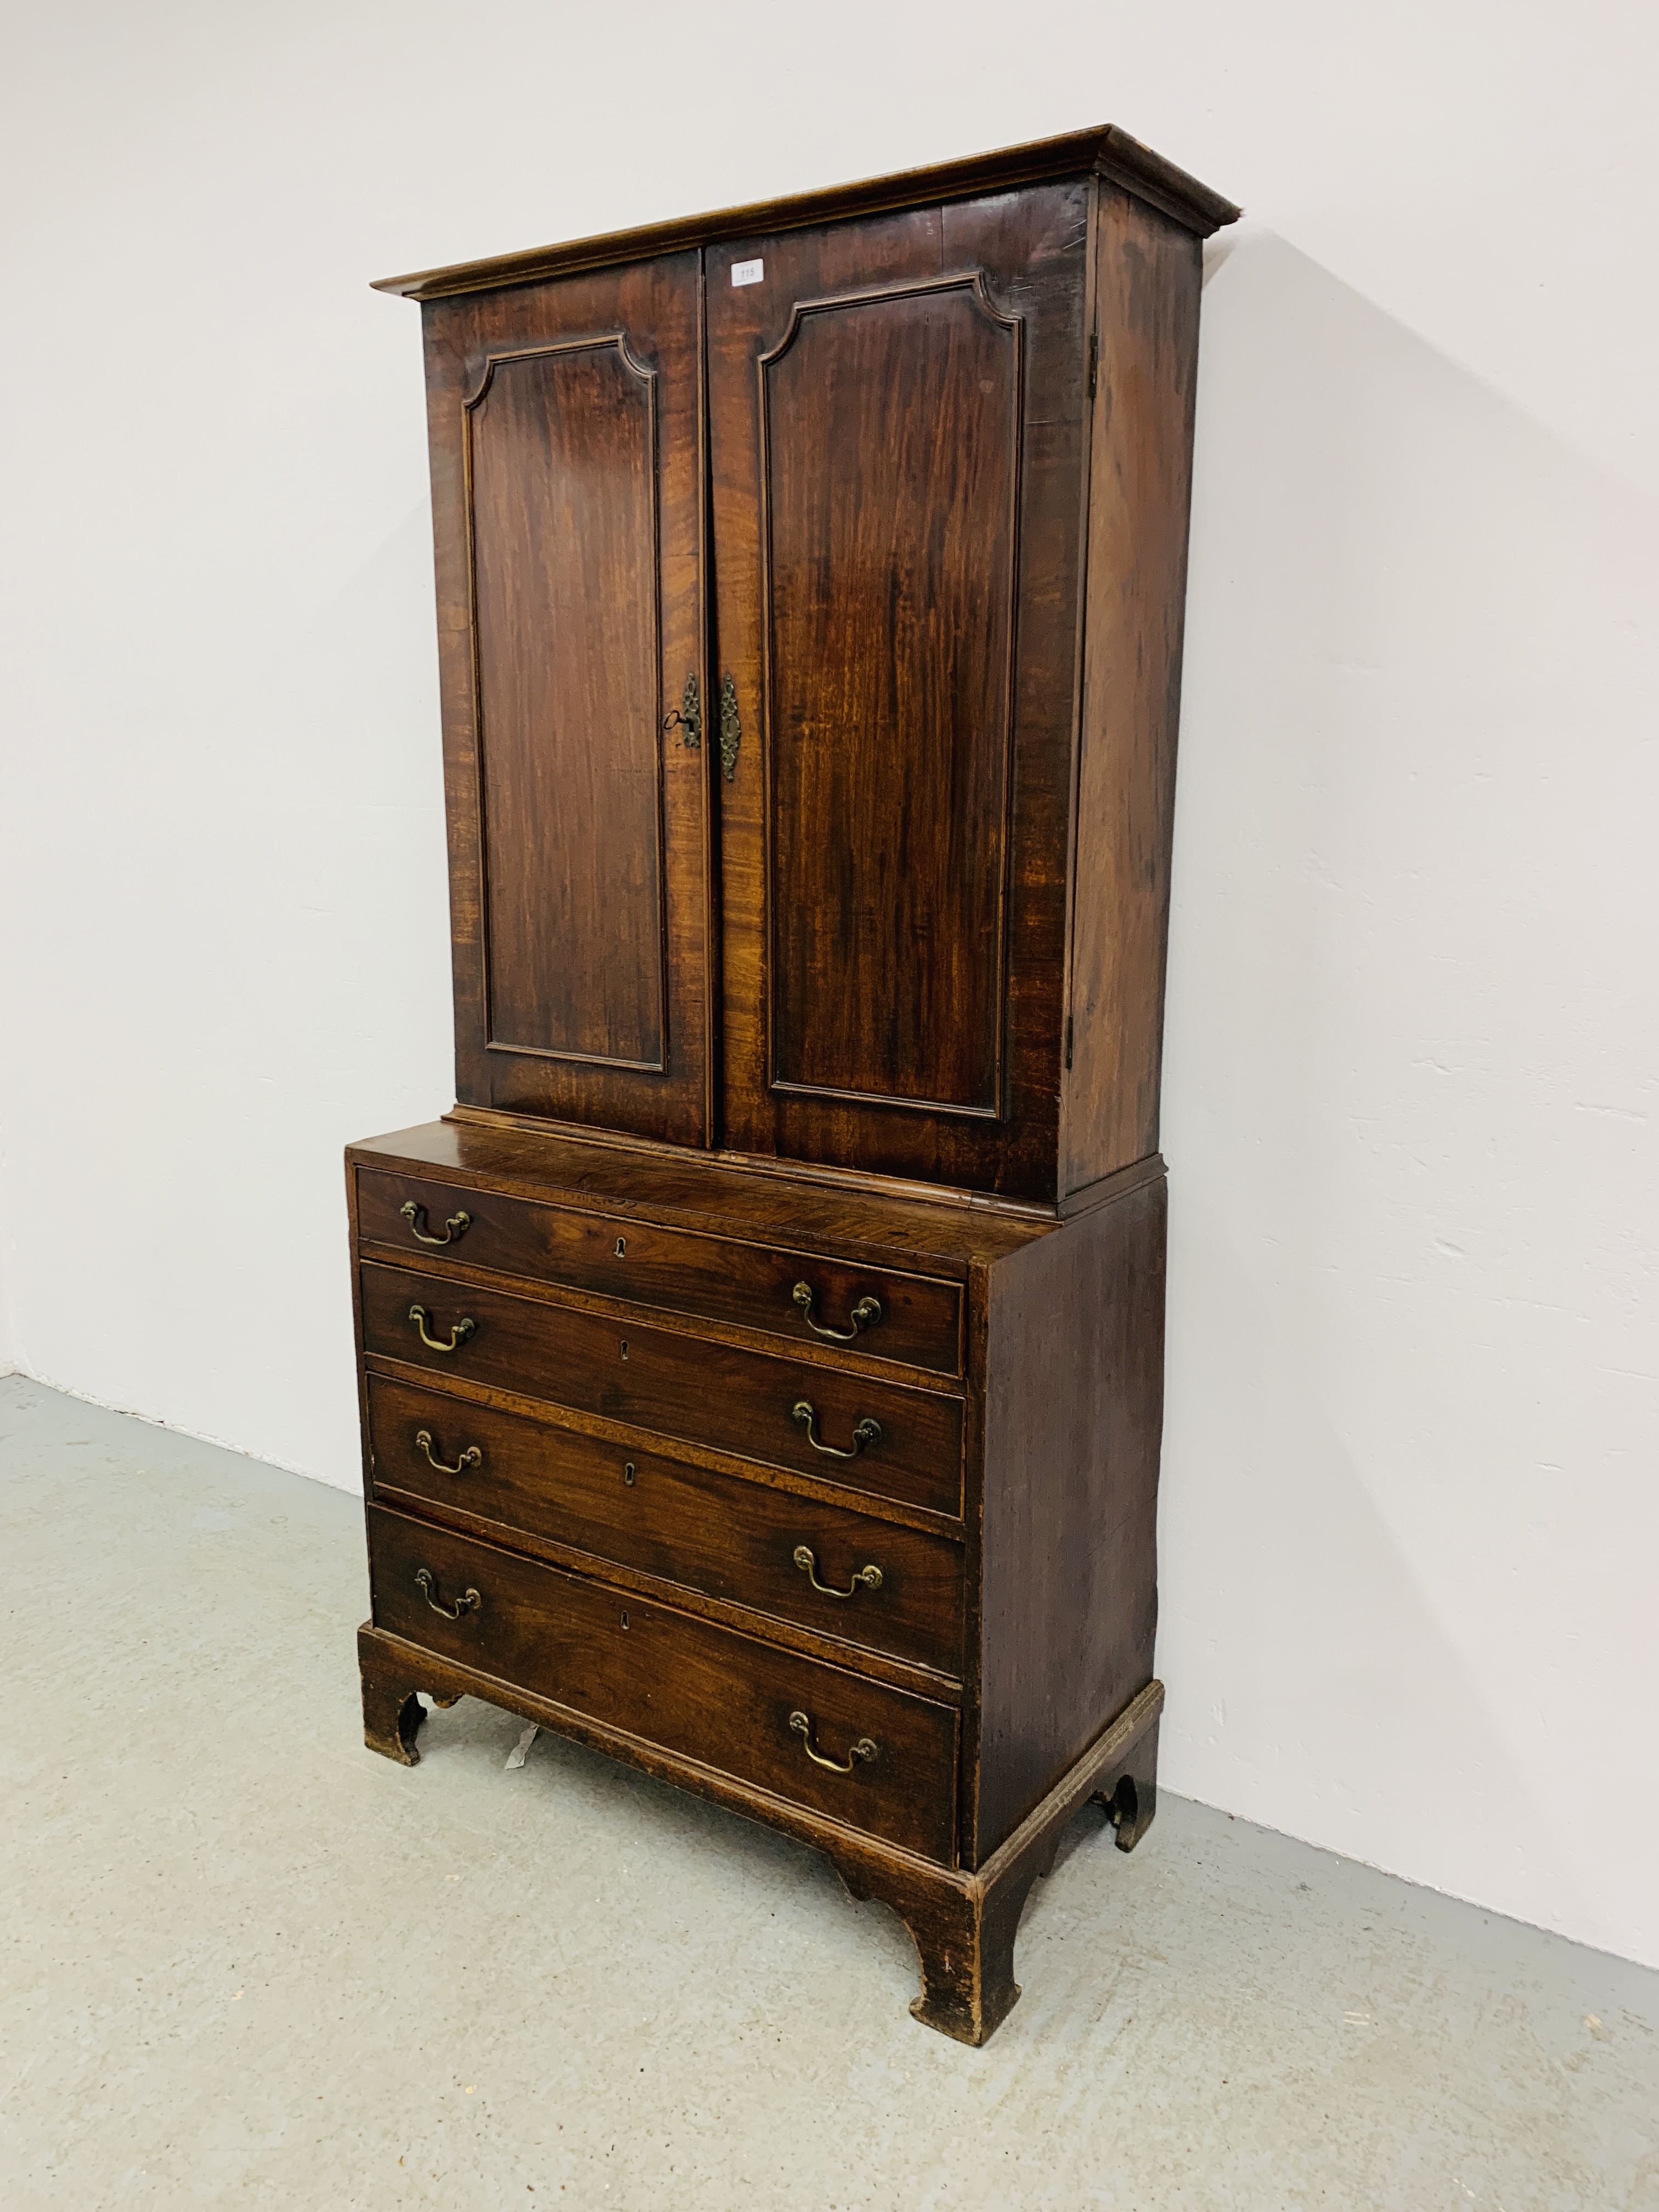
762,1363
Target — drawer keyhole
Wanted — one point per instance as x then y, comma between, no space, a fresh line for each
624,1348
624,1621
627,1473
621,1248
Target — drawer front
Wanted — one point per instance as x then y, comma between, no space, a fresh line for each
714,1276
711,1394
684,1684
733,1540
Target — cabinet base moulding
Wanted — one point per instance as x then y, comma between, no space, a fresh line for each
963,1924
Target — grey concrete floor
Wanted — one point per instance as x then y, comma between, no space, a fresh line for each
247,1962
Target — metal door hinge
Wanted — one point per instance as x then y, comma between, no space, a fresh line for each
1094,362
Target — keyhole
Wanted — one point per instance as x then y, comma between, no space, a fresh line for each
624,1621
628,1475
621,1248
624,1346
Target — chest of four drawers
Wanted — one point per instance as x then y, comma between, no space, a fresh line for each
580,1417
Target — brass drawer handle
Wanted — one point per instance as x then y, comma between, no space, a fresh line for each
869,1578
470,1457
458,1335
868,1430
865,1314
469,1601
455,1228
864,1749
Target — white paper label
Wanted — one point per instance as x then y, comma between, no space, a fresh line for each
748,273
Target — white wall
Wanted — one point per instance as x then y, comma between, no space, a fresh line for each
8,1362
1410,1520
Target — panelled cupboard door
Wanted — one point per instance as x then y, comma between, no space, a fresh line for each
897,441
567,509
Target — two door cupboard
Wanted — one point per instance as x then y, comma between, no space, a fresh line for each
762,1361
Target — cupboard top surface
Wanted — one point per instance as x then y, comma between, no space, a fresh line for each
1105,149
690,1188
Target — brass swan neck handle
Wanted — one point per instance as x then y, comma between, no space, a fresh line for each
863,1749
865,1314
867,1577
458,1335
455,1228
426,1583
866,1431
470,1457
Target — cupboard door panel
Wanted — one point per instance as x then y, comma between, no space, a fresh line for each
565,431
562,464
889,426
897,438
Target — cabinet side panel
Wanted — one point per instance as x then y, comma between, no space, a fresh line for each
1148,277
1074,1426
443,333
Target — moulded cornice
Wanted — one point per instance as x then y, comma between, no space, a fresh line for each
1105,151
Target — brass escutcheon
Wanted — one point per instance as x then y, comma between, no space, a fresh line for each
687,715
867,1577
469,1601
864,1749
458,1335
455,1228
731,727
865,1314
470,1457
867,1431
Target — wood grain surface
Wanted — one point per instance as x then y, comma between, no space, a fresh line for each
858,990
673,1384
681,1523
680,1682
1074,1418
562,457
831,1213
879,838
890,429
1105,150
1149,272
718,1277
565,423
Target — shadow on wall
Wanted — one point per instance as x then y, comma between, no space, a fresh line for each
1411,1091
